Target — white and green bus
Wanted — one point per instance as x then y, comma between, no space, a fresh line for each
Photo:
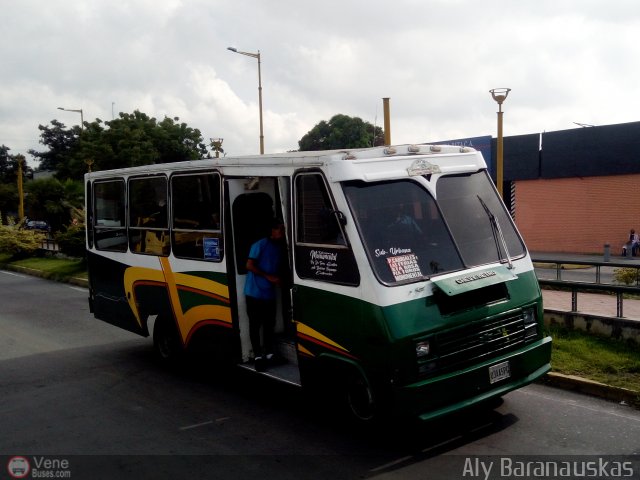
409,288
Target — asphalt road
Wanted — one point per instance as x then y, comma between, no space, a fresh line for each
75,389
581,274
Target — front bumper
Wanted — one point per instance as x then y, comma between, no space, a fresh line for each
457,390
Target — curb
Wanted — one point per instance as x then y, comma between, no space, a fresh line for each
595,389
80,282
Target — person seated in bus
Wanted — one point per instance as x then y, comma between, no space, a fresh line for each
264,266
633,243
404,221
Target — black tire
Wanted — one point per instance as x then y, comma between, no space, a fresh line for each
166,342
361,401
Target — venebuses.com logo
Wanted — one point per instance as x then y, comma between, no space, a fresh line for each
18,467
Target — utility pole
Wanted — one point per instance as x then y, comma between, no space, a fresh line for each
387,121
20,159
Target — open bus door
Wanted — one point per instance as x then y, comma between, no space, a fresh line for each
254,202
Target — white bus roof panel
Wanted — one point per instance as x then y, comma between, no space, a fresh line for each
368,164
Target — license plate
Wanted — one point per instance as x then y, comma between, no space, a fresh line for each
499,372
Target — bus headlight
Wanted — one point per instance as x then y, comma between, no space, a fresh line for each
423,349
529,316
530,324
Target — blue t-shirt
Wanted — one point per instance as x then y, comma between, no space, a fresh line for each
266,254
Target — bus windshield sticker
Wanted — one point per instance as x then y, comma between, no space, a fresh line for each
211,248
381,252
404,267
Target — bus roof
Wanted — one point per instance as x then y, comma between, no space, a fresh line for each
367,164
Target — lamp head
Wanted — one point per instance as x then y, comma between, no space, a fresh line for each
500,94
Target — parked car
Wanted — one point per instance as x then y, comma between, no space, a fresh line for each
39,225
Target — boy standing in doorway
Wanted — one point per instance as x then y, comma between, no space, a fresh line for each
263,275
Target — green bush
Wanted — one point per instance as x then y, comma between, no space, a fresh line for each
72,241
18,242
626,275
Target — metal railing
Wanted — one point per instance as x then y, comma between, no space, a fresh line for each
49,245
598,264
580,286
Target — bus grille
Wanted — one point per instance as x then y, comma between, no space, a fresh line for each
473,342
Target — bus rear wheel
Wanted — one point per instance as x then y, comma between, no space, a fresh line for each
165,340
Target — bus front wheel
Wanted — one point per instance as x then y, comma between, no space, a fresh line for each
361,399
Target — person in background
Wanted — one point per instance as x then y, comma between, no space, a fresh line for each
263,276
632,244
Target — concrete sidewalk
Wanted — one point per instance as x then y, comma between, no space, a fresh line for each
599,304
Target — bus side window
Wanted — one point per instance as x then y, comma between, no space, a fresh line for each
148,219
321,249
195,201
317,219
108,217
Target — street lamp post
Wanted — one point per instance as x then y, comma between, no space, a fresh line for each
500,95
20,159
77,111
89,162
257,56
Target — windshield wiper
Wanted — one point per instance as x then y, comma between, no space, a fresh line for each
498,237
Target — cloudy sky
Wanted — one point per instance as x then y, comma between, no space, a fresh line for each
566,61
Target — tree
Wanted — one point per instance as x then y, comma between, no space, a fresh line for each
9,181
60,141
52,200
342,131
8,201
7,170
129,140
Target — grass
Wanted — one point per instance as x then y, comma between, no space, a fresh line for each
605,360
53,268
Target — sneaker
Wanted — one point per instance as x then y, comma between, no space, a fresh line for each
269,356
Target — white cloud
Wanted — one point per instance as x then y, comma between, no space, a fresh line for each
570,61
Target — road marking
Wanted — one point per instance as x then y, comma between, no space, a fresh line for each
13,274
189,427
78,289
203,424
392,463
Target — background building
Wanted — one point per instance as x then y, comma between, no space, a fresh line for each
573,190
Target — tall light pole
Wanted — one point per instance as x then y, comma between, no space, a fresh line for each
255,55
500,95
20,159
89,162
77,111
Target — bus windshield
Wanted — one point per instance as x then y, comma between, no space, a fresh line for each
409,236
